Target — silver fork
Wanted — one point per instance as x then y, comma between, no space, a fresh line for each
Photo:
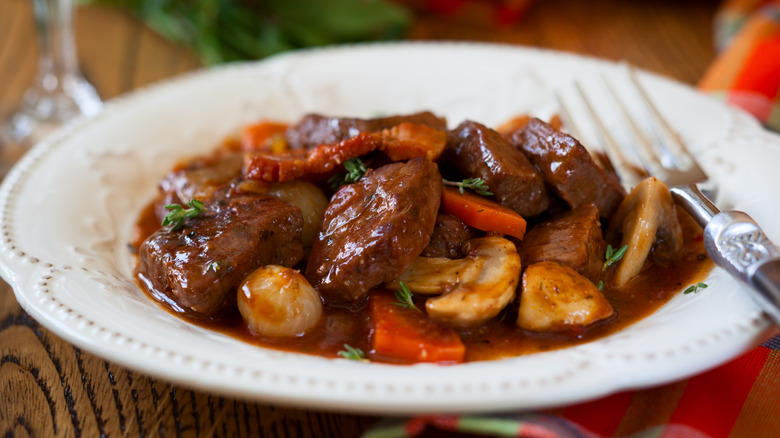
732,239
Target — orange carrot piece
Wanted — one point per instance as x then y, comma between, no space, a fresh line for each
409,336
514,124
482,213
261,136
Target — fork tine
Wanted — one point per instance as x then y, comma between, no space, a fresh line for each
643,145
600,159
568,120
629,175
668,138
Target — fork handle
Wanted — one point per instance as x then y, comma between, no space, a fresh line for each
737,244
766,281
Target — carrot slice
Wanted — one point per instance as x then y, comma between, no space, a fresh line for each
482,213
409,336
264,136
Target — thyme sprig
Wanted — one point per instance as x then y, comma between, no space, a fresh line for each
694,288
478,185
354,170
178,213
613,256
353,353
404,297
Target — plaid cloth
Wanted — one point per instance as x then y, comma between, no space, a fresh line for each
738,399
746,73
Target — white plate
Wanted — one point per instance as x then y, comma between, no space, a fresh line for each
68,208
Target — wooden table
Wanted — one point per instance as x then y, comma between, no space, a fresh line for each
48,387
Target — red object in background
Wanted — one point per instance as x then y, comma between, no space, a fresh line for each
444,7
502,12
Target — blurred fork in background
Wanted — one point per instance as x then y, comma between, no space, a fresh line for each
733,240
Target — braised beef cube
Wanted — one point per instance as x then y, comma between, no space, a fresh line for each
477,151
449,235
199,178
200,265
374,228
568,168
572,238
313,129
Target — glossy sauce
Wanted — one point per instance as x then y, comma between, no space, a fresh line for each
498,338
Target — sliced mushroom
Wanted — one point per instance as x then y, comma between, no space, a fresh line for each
437,275
647,219
555,297
474,288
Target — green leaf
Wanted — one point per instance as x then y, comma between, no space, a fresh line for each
178,214
694,288
404,297
478,185
613,256
353,353
355,169
229,30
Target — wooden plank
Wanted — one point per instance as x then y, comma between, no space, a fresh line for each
50,388
671,38
107,43
158,59
18,52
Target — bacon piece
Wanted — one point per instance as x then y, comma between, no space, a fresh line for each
409,140
295,164
402,142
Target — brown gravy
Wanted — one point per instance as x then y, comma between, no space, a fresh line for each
496,339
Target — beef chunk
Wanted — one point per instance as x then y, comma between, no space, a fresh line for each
572,238
449,234
476,151
568,168
199,178
374,228
199,266
313,129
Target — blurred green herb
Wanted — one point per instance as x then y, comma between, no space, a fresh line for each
231,30
694,288
476,184
355,169
353,353
613,256
178,213
404,297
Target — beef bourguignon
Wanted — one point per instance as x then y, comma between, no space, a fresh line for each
397,240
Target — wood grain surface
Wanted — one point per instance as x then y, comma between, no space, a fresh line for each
48,387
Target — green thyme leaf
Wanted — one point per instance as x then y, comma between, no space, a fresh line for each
355,169
694,288
353,353
175,219
404,297
600,285
613,256
478,185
